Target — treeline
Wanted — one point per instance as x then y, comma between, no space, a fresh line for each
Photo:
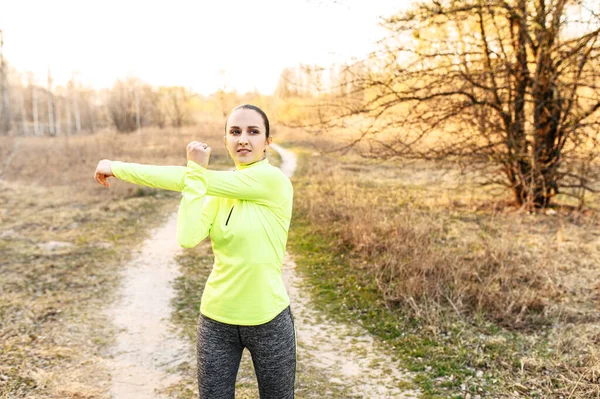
314,81
305,91
33,109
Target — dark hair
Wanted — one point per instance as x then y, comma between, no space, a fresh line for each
260,112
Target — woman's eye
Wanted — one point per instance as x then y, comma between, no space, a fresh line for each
235,131
255,131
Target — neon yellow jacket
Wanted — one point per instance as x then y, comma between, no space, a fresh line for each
247,214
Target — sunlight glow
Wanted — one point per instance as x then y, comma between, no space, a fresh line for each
201,45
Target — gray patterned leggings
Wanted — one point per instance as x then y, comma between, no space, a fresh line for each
273,349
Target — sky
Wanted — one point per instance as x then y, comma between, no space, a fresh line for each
202,45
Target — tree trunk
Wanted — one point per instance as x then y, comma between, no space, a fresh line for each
6,114
92,107
57,120
138,123
36,127
50,106
537,167
518,168
24,120
68,103
76,112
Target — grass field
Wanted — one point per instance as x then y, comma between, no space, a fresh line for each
477,296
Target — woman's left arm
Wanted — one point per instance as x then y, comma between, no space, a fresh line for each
197,212
263,185
195,218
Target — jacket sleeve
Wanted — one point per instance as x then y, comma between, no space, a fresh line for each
265,186
164,177
196,214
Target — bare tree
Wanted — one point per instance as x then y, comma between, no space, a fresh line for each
121,107
24,120
130,103
287,86
57,121
91,99
138,124
75,99
50,99
225,98
68,111
156,105
512,85
34,107
176,105
5,116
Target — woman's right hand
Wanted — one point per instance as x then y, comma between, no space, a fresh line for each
104,171
198,152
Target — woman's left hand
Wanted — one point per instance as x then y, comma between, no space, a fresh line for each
198,152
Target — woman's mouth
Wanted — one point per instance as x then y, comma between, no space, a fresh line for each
243,151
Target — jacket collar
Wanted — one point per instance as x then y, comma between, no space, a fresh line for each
257,163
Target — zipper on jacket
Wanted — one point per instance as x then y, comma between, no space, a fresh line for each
227,221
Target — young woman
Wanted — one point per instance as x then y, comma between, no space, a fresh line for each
247,214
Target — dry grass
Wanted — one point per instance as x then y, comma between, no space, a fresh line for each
60,251
442,251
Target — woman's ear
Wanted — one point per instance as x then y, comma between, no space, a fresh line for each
269,141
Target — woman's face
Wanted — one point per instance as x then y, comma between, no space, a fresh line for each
245,137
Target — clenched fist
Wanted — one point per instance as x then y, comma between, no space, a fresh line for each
198,152
104,171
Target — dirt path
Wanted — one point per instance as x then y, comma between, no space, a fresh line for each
345,359
146,345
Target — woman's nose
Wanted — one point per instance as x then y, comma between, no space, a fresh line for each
243,137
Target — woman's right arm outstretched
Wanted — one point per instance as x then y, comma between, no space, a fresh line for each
164,177
196,213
